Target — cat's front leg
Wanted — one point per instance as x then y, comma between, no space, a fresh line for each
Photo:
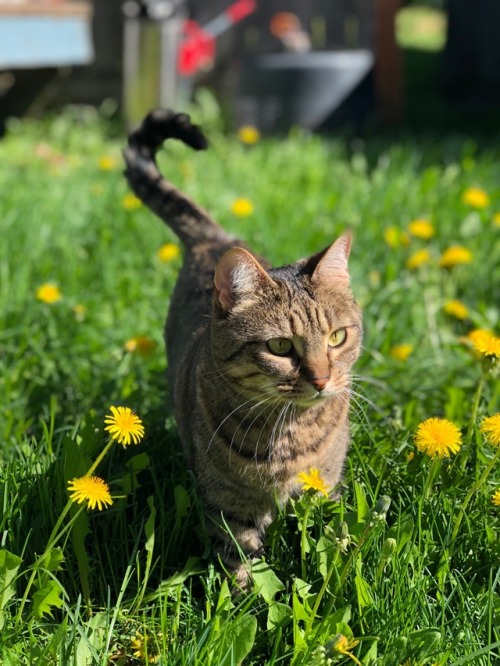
238,540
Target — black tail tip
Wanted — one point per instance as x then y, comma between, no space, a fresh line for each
162,124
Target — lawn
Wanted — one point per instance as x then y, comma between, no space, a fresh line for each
404,569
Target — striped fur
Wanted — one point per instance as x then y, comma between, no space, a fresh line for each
249,419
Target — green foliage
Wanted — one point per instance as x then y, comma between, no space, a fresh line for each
403,569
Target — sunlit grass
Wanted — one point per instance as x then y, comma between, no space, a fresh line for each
404,568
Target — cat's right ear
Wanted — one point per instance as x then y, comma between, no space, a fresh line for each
238,275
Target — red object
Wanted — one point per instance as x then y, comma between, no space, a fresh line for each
197,50
241,9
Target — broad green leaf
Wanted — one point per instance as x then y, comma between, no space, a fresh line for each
363,590
279,615
299,612
92,640
342,615
9,566
325,552
224,600
182,503
361,504
58,637
330,624
192,567
267,582
50,561
423,643
302,588
47,598
238,640
9,658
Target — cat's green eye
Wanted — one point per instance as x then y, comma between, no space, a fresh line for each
337,338
279,346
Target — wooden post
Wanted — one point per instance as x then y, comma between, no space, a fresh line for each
388,63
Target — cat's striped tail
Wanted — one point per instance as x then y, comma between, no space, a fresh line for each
190,222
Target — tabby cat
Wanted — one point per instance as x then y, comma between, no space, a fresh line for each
259,358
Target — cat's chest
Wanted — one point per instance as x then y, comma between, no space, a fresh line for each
272,445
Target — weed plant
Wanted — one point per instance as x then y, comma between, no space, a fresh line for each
404,568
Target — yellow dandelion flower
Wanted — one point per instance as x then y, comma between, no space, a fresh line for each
495,498
457,309
490,427
485,343
313,480
242,207
438,437
395,238
90,489
421,229
477,334
248,134
417,259
168,252
140,344
401,352
124,426
106,163
131,202
455,255
496,219
138,644
343,645
475,197
48,293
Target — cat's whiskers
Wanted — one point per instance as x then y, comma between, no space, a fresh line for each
354,406
369,380
256,468
275,437
277,426
356,400
240,406
290,406
261,402
363,398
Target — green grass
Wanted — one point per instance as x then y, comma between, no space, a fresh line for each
415,582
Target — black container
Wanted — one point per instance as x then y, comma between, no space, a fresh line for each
280,90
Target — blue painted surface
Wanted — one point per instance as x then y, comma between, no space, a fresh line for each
42,41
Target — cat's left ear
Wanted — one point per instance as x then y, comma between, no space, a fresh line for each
332,267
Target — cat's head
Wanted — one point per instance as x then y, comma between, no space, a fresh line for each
293,332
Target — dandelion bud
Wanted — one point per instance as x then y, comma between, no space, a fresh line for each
388,548
381,508
343,541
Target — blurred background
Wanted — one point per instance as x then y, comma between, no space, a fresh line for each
272,64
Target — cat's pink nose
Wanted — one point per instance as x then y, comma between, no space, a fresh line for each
319,383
